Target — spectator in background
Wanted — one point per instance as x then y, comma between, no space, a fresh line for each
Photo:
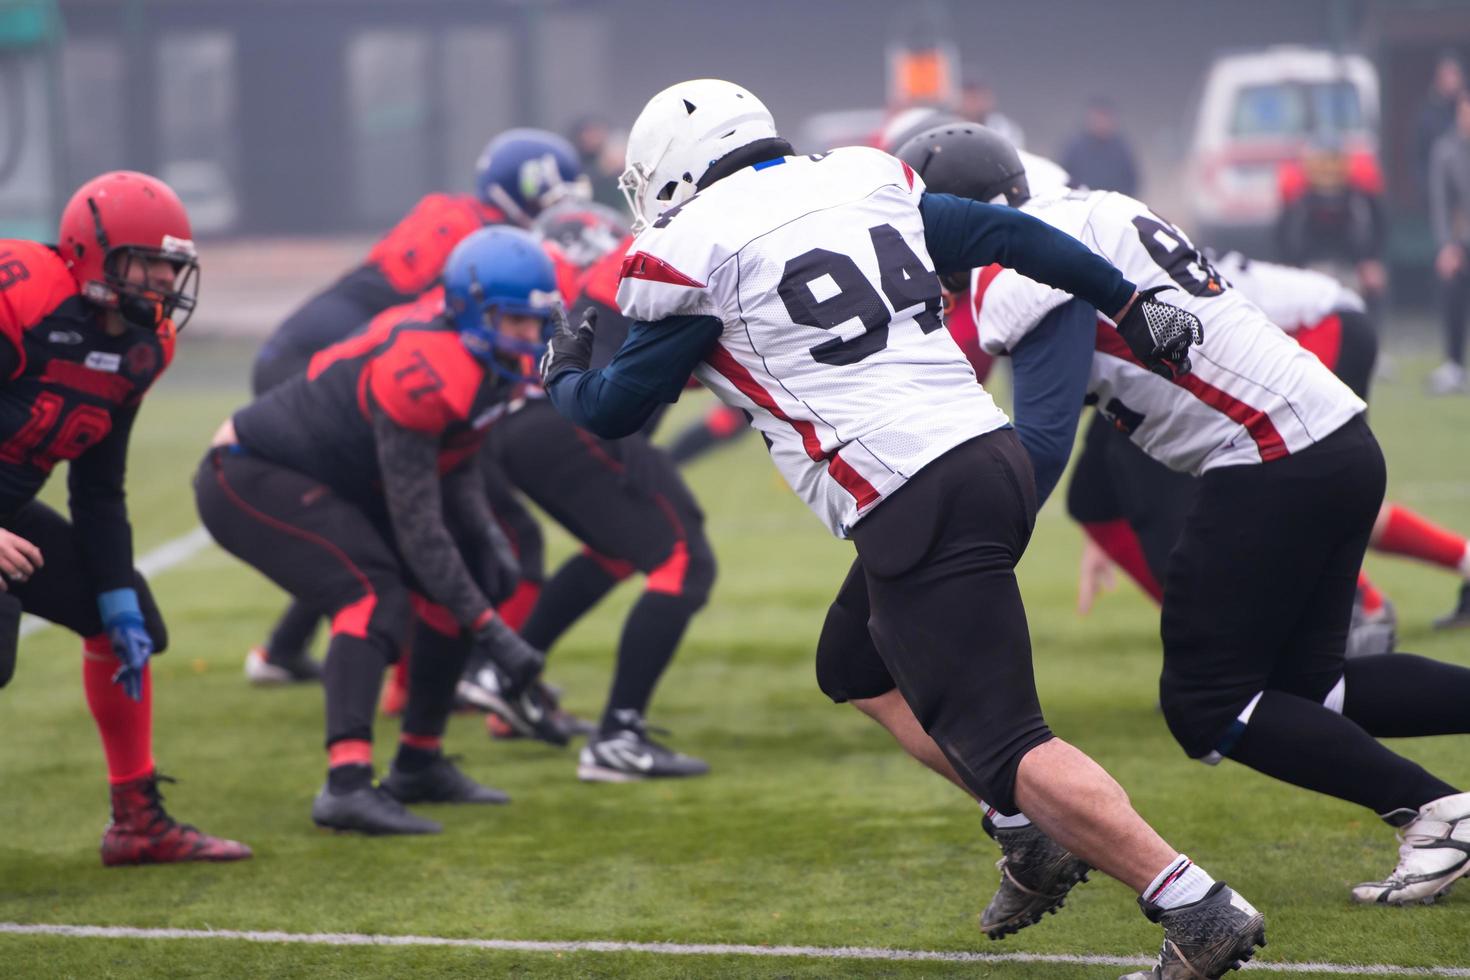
977,104
1449,216
1437,114
602,158
1099,157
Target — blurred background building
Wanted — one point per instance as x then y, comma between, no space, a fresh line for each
324,117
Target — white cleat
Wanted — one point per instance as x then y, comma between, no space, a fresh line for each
1434,853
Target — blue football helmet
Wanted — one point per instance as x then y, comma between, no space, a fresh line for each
523,171
492,272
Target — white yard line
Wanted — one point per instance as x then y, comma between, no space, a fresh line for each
167,555
686,949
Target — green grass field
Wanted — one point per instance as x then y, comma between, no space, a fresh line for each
813,828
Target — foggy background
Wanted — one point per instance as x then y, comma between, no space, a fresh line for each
318,119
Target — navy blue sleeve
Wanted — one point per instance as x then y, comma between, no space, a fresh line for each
1049,372
963,234
649,370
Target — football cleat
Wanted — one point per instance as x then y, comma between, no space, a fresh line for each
1434,853
531,714
142,832
441,782
1206,939
628,755
1036,874
1459,617
368,810
1370,634
263,671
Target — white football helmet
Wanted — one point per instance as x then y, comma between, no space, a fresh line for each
676,137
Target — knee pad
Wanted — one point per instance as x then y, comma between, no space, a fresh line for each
1205,729
848,665
688,572
382,616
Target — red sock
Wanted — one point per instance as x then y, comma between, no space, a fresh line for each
517,609
350,752
1120,542
126,726
1372,598
1406,533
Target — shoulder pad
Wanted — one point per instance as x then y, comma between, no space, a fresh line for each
425,380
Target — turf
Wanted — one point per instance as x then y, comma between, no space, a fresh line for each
813,829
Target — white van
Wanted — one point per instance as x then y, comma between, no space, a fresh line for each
1260,109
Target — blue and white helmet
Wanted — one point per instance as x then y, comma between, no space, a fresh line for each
492,272
524,171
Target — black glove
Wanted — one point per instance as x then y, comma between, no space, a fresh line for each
568,349
517,662
1160,335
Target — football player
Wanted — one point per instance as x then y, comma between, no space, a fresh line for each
1258,591
88,326
624,500
520,173
353,488
802,290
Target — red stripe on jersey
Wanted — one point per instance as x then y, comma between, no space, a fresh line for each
908,174
848,478
987,276
100,384
1255,421
641,265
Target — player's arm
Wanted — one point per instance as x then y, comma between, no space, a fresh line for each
1049,372
962,234
408,463
99,509
648,370
100,513
468,508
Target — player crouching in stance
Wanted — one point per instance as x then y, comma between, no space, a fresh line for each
342,486
87,328
1259,589
803,290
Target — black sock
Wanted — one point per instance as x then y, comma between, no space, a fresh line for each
578,585
434,671
410,759
352,675
1400,695
1303,743
293,633
342,780
651,634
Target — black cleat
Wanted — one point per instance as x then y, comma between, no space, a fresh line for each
628,755
264,671
442,782
1204,940
1459,617
369,810
531,714
1036,874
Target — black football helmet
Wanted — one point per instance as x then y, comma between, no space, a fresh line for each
968,160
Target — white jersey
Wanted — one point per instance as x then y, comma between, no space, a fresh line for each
1292,298
1254,394
833,339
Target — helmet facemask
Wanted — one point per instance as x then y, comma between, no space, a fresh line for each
125,286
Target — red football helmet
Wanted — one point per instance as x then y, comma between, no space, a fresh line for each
124,217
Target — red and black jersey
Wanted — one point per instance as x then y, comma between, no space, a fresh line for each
412,255
408,362
597,288
70,392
